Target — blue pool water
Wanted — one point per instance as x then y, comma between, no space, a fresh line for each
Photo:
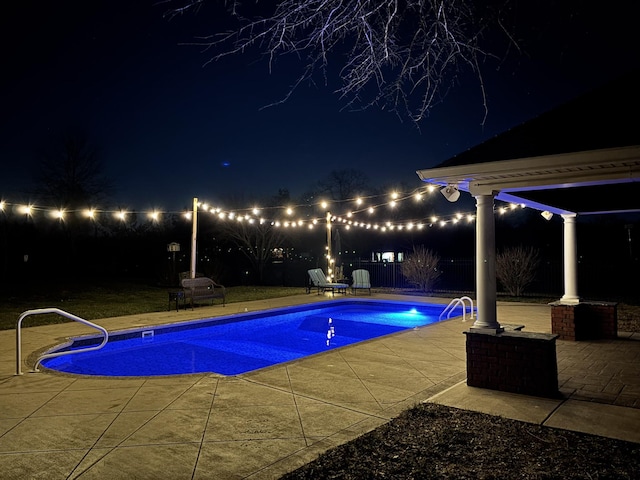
241,343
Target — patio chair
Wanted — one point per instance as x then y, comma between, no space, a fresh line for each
360,280
319,281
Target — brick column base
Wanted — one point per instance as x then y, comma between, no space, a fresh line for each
585,320
513,361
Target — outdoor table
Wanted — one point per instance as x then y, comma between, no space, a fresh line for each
176,296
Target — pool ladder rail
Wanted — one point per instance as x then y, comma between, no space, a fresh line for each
454,303
68,315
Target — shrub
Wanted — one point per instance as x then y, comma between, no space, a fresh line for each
421,268
516,268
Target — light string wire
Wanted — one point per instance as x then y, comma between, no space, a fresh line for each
284,216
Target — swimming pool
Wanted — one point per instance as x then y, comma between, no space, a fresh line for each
236,344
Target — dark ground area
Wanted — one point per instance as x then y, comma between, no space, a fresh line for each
433,441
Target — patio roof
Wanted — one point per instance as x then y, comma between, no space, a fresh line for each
582,157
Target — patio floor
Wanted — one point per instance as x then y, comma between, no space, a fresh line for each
263,424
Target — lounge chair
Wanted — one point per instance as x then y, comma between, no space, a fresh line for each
360,280
319,281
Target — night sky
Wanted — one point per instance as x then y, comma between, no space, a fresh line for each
171,128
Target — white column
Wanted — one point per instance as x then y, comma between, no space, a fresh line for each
570,255
194,238
329,265
486,265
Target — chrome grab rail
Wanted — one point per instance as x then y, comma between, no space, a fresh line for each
454,303
68,315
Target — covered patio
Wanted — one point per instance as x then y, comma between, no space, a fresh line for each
580,159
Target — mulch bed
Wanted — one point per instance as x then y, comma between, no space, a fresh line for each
432,441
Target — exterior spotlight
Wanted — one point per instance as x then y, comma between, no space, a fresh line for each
547,215
450,192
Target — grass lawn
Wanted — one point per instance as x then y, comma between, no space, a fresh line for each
112,300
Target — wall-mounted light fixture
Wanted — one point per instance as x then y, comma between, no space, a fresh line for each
547,215
450,192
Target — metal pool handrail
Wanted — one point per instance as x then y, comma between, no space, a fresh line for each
454,303
68,315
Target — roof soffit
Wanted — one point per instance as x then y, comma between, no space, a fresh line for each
552,171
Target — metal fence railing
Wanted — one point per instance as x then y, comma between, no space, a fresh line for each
601,280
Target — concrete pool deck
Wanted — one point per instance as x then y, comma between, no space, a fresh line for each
263,424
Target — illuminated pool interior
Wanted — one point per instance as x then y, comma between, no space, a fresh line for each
241,343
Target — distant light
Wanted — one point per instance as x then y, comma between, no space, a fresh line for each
89,213
122,215
154,215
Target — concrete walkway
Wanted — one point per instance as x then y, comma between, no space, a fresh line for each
263,424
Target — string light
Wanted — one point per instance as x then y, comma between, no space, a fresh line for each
26,209
250,215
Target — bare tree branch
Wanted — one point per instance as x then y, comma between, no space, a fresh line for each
397,55
71,173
